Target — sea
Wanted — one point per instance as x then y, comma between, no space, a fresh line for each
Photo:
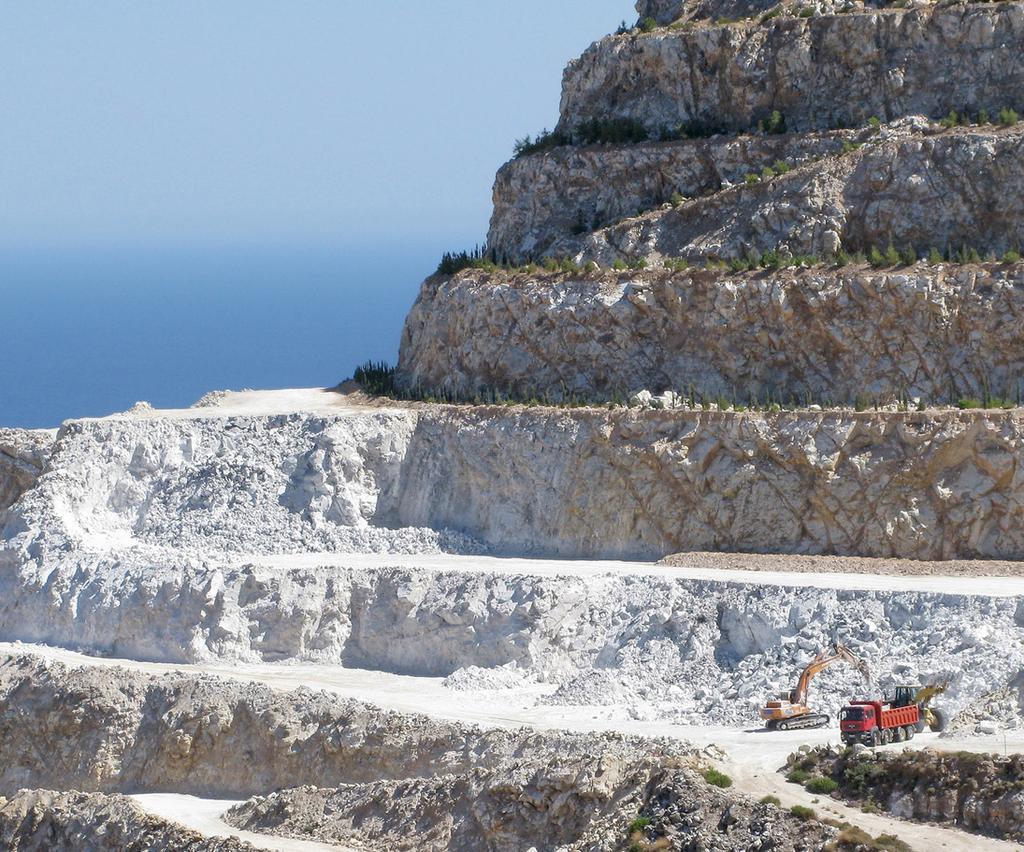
88,332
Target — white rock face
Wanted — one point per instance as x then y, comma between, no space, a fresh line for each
544,204
136,542
924,332
874,196
734,75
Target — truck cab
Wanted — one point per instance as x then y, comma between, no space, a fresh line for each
856,721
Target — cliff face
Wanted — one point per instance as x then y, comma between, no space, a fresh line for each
935,333
907,184
579,483
899,179
23,455
903,188
546,204
819,72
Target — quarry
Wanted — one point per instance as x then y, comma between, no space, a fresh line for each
736,381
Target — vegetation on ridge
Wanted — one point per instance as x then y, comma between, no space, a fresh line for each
378,378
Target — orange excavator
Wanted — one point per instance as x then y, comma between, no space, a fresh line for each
790,711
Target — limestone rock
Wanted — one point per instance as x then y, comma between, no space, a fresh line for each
874,196
23,455
928,61
935,333
48,821
546,203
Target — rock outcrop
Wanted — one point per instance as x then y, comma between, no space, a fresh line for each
822,336
49,821
23,455
110,730
926,192
546,204
570,809
581,482
978,792
834,70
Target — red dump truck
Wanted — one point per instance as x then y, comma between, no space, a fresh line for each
880,722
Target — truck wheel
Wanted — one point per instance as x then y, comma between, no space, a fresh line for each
782,726
887,736
939,720
901,735
910,732
876,738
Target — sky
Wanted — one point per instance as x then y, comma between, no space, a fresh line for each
247,193
271,121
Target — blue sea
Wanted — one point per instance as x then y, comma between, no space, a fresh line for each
90,332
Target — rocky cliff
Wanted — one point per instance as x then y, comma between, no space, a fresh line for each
23,455
824,336
820,72
753,169
50,821
585,482
546,204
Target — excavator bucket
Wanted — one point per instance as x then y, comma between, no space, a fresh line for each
860,665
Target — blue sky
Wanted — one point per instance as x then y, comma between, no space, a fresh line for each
292,121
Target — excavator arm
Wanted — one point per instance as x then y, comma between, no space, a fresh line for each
781,714
840,654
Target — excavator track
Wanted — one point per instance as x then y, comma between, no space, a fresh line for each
812,720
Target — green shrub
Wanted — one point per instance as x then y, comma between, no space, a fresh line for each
891,843
1011,256
648,25
545,141
983,117
1008,117
774,124
639,824
935,256
771,800
781,167
803,813
798,776
676,199
875,257
717,779
892,256
908,256
821,786
752,178
951,120
806,12
376,377
874,122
